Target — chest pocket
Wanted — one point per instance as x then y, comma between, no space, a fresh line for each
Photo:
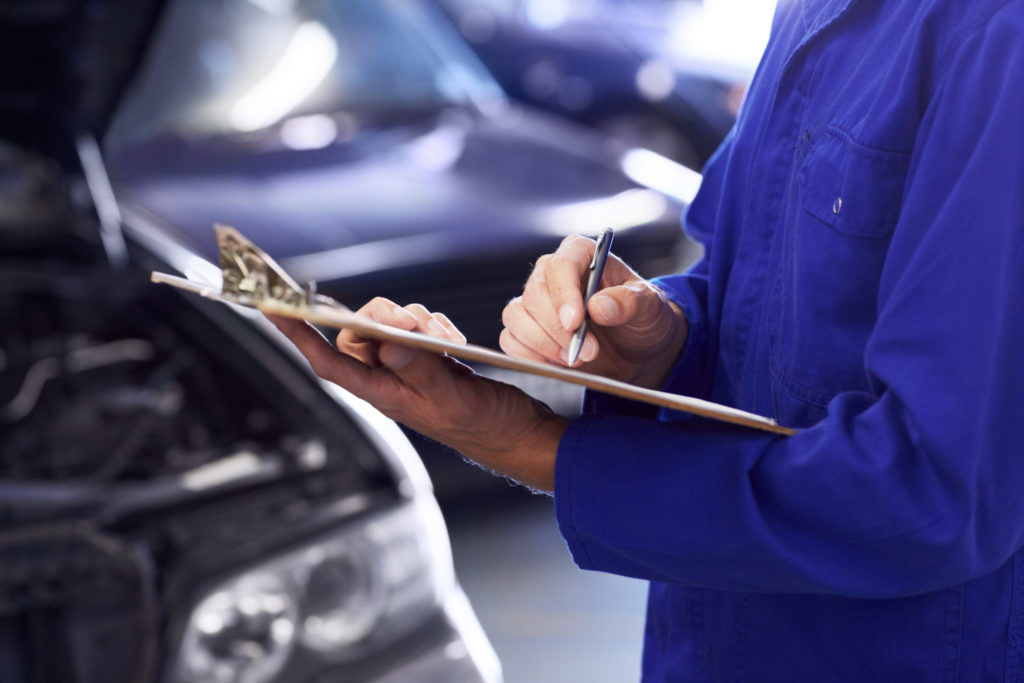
824,302
853,189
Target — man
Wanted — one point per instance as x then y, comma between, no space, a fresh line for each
863,282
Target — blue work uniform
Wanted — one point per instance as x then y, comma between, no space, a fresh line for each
863,282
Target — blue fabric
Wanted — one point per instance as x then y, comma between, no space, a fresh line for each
864,282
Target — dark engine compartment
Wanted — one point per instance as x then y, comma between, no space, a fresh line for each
148,442
99,390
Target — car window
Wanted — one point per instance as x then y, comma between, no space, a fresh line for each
237,66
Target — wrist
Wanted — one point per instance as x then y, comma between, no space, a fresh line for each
524,449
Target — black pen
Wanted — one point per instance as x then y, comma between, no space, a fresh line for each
604,247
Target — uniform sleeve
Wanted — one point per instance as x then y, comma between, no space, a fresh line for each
905,489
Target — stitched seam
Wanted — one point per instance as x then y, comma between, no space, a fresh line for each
1014,636
582,545
815,397
969,31
890,155
953,634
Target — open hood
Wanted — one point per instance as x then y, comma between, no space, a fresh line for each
63,66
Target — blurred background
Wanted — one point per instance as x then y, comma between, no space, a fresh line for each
422,150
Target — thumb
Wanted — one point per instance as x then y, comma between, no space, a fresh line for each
618,305
422,371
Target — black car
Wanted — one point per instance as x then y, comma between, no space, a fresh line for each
180,499
363,146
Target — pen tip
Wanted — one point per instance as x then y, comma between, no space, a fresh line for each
575,344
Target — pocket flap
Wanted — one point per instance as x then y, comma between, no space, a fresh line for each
855,189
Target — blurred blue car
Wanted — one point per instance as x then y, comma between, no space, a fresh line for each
362,144
643,71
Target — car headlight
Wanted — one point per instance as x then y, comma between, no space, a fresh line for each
335,598
243,632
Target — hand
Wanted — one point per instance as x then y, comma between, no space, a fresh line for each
491,423
636,332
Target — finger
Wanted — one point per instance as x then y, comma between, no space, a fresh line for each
285,324
531,334
564,276
323,359
621,304
380,310
513,347
588,352
426,322
363,350
423,372
536,303
454,334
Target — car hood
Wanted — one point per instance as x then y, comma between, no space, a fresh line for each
459,184
60,71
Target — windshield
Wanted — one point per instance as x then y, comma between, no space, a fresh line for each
239,66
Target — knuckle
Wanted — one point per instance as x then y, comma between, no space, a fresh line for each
505,341
378,302
567,268
418,310
532,284
563,285
548,348
532,303
378,308
540,268
508,311
565,291
570,241
537,341
576,247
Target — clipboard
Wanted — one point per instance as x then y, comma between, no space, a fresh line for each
253,279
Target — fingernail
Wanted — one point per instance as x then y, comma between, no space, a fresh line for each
395,357
565,315
605,307
564,355
589,350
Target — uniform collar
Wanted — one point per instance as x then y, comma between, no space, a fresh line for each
818,14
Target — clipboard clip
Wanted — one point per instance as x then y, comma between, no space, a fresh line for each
251,278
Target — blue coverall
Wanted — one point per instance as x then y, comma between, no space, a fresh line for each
863,282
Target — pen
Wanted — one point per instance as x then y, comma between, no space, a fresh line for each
604,247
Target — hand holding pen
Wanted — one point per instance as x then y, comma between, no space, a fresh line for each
604,247
634,332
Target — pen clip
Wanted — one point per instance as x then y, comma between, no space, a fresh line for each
605,236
